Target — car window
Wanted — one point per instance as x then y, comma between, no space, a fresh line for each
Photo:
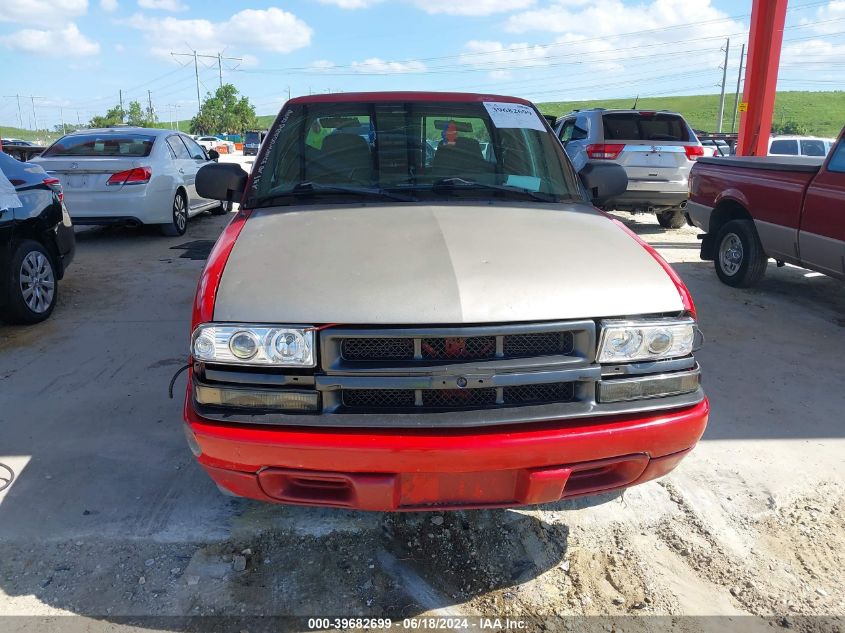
638,126
837,159
414,146
582,128
128,145
784,147
567,130
194,149
812,147
178,148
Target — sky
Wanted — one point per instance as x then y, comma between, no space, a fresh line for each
70,59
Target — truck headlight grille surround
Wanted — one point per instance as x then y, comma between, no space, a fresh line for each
643,387
266,346
646,339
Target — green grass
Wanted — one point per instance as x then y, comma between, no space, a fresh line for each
821,113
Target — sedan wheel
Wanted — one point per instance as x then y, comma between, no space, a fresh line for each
179,225
34,287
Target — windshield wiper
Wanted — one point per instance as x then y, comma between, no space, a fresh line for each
304,189
456,183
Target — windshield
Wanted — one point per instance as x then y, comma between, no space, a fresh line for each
124,145
251,137
421,150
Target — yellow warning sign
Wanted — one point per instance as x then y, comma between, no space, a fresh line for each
743,106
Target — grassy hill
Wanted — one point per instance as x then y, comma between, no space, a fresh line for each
821,113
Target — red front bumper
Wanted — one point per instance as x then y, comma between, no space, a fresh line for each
417,469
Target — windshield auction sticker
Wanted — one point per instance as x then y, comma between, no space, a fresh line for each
510,115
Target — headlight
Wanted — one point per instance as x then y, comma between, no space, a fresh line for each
651,339
253,345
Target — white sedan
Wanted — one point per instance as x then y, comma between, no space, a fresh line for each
130,176
214,142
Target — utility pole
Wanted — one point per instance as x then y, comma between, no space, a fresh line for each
150,102
62,117
120,96
738,81
34,118
20,117
78,120
724,79
219,57
174,122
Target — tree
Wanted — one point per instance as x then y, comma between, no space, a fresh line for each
139,117
111,117
135,115
790,127
223,112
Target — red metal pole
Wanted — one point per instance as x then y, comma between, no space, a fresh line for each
761,76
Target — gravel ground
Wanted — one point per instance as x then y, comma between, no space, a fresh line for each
109,517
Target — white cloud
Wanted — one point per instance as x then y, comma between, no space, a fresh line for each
322,64
271,30
380,66
108,5
500,59
163,5
42,12
351,4
472,7
66,42
826,18
813,56
606,36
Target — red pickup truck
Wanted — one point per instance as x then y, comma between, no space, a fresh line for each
791,209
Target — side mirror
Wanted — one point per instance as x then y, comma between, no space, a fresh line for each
603,181
221,181
213,154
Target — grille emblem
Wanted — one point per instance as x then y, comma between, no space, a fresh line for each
461,382
74,165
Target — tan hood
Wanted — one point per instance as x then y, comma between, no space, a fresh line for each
426,264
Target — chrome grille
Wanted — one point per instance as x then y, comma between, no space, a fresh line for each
538,344
458,398
539,394
378,398
377,348
459,348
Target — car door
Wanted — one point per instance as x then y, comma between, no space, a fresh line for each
199,157
183,164
193,159
821,239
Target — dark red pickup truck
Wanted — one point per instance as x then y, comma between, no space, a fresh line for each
791,209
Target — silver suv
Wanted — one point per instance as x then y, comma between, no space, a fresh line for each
656,148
